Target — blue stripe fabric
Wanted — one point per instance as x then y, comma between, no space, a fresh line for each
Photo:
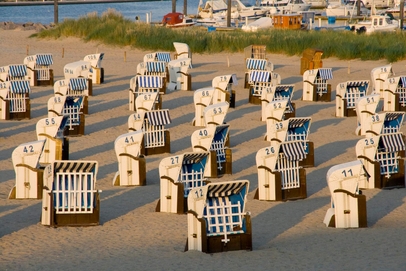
163,56
158,117
256,64
149,81
18,70
78,83
20,87
326,73
44,60
260,76
156,66
403,79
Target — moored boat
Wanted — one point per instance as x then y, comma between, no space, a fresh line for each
376,23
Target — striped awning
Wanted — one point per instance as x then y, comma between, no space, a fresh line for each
326,73
403,79
356,83
156,66
163,56
298,122
287,88
393,116
260,76
193,158
75,166
78,83
44,60
158,117
294,150
256,64
149,81
224,189
18,70
21,87
393,142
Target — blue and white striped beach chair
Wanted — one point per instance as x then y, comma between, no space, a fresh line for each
315,86
223,89
145,84
347,94
276,95
38,69
70,107
255,64
75,87
15,100
384,123
394,94
13,72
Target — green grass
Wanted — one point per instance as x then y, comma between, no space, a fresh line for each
112,28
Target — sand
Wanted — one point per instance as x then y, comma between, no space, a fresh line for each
132,236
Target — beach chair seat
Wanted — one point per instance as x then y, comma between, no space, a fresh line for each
178,175
217,218
15,100
348,206
179,78
223,89
38,69
29,172
365,108
294,129
280,176
255,64
152,123
75,87
202,98
145,84
182,52
347,94
131,163
315,86
394,94
214,139
380,157
379,76
70,107
13,72
56,146
70,197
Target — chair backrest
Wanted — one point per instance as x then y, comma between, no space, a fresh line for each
129,144
28,154
38,60
365,108
379,75
215,114
51,127
292,129
13,72
273,111
95,60
77,69
145,101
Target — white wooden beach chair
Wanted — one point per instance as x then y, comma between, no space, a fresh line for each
75,87
217,217
28,171
182,52
223,89
215,114
273,112
56,145
380,157
365,108
70,197
155,68
202,98
89,68
260,81
384,123
131,163
256,64
347,94
280,176
147,101
178,175
38,69
152,123
294,129
13,72
70,107
15,100
145,84
394,94
379,76
315,86
277,94
179,78
348,207
215,139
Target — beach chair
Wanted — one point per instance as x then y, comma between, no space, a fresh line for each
152,123
75,87
223,89
379,76
15,100
260,81
202,98
273,112
215,139
280,176
365,108
89,68
294,129
70,107
179,78
70,197
13,72
131,163
145,84
348,207
277,94
178,175
394,94
182,52
56,145
38,69
217,218
347,94
215,114
147,101
255,64
384,123
380,157
28,171
255,51
315,86
155,68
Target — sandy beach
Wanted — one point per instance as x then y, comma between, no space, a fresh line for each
132,236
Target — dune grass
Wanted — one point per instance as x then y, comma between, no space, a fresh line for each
112,28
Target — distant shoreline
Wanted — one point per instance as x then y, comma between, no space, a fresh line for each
35,3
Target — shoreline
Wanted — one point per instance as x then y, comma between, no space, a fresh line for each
39,3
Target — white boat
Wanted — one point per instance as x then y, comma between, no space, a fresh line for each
395,11
242,11
261,23
376,23
211,8
348,9
286,6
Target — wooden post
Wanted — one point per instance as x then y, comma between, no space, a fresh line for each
228,13
28,49
125,56
401,13
185,7
56,11
173,5
63,52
